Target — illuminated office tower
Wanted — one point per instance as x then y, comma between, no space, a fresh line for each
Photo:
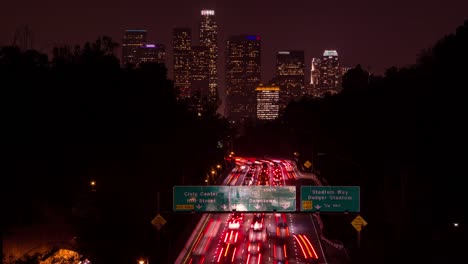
268,106
314,77
182,43
199,77
151,53
209,39
243,65
330,73
131,42
290,75
314,71
326,74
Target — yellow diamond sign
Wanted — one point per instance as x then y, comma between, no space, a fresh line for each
359,223
307,164
158,221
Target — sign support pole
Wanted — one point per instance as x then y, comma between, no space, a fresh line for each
359,239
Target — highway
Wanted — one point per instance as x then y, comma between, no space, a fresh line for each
260,237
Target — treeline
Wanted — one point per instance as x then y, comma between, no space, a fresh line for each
79,117
402,138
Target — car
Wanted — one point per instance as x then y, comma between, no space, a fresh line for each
279,253
257,236
234,224
280,218
257,222
257,226
238,216
282,231
231,237
254,248
227,254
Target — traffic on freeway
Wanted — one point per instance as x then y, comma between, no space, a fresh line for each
257,237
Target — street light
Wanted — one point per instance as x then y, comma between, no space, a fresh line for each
93,185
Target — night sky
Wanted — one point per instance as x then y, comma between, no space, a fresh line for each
375,34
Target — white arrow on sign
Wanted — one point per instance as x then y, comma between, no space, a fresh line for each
257,206
198,206
224,206
318,207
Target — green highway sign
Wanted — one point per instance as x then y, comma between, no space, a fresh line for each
239,198
330,199
263,198
201,198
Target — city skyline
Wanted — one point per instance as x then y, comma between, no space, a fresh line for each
363,32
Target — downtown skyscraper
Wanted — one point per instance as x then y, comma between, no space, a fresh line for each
268,98
243,72
182,56
151,53
209,39
290,75
132,40
326,74
199,72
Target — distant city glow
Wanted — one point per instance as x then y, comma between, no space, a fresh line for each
150,45
207,12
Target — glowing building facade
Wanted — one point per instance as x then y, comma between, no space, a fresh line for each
131,42
243,67
330,72
199,77
326,74
290,75
209,40
151,53
182,43
268,102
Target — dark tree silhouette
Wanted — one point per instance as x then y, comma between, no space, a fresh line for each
82,118
355,79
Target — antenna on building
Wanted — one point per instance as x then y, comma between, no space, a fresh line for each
23,38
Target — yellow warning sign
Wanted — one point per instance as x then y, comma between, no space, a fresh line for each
307,164
307,205
359,223
158,221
